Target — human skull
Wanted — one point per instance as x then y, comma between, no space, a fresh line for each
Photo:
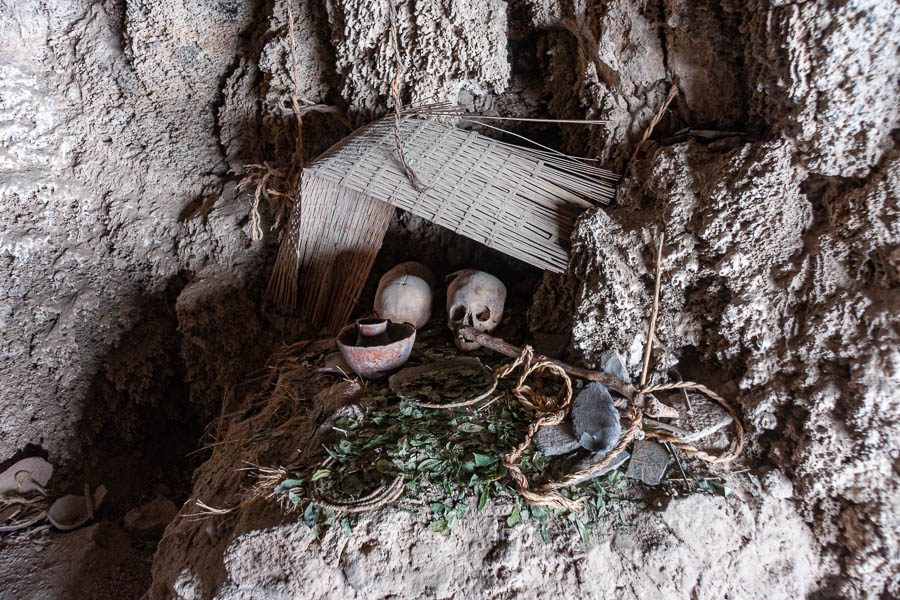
404,294
474,299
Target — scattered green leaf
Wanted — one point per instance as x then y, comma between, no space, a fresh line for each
311,515
287,484
482,500
321,474
471,428
482,460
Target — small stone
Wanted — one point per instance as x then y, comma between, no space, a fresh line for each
595,457
778,485
649,462
595,419
703,419
554,440
612,363
335,363
151,518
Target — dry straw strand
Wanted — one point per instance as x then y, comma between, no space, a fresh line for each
673,91
645,368
395,94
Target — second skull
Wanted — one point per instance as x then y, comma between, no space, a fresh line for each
474,299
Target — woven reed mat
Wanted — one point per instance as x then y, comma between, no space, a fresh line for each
520,201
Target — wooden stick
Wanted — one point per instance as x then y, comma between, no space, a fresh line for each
626,389
654,313
497,345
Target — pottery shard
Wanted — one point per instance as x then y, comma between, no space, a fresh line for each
595,419
703,419
649,461
612,363
26,476
554,440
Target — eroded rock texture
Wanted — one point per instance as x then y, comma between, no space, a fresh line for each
109,143
448,46
780,266
666,556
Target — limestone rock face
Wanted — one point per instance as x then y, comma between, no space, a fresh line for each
766,265
826,74
480,562
114,106
447,47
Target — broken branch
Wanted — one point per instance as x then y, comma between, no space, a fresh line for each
644,402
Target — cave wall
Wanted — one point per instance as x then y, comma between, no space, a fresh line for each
116,196
780,276
130,278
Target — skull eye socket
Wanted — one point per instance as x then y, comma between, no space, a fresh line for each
484,314
458,313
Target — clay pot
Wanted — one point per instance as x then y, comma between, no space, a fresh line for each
375,347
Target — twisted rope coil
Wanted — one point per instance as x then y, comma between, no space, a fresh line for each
552,411
381,497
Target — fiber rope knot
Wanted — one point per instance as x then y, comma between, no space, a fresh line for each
737,444
528,396
553,410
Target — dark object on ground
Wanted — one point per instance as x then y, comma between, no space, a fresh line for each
595,419
649,461
377,361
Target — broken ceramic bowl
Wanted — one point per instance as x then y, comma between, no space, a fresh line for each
649,461
26,476
71,512
375,347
